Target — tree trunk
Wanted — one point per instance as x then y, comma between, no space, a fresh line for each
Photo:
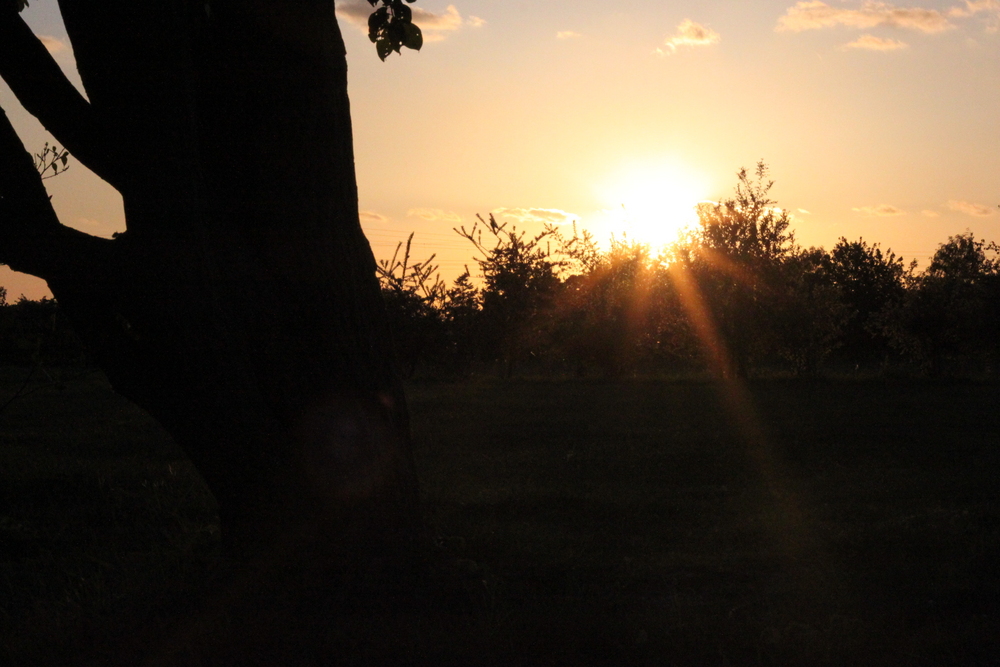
240,307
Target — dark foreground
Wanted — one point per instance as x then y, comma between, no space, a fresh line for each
576,523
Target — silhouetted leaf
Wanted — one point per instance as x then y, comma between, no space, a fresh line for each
412,37
383,47
377,22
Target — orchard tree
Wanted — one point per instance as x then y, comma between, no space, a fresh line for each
605,312
951,316
414,295
737,255
241,306
871,283
520,284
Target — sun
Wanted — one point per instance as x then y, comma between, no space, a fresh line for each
652,203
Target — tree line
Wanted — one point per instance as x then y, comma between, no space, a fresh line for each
735,296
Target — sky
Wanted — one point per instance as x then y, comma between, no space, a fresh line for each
878,120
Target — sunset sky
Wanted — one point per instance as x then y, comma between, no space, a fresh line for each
878,120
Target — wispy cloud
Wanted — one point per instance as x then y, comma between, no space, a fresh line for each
880,211
873,43
804,211
814,15
930,214
372,216
969,208
552,216
433,26
53,45
973,7
689,34
567,34
432,214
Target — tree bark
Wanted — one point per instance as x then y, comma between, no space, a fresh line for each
240,307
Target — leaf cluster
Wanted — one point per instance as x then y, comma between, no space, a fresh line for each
391,27
51,161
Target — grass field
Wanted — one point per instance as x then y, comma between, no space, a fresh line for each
644,523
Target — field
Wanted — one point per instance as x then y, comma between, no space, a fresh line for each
632,523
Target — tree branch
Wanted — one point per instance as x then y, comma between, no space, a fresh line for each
43,89
31,238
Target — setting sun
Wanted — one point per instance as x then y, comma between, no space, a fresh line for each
652,203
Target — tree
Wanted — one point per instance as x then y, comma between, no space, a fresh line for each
240,307
520,281
870,282
736,256
952,311
808,311
605,312
461,311
414,295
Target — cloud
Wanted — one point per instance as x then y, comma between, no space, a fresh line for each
814,15
431,214
880,211
930,214
973,7
969,208
372,216
689,33
804,212
355,12
567,34
53,45
873,43
552,216
433,26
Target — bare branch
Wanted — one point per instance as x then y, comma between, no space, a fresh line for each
46,93
31,238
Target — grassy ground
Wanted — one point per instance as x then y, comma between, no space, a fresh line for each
648,523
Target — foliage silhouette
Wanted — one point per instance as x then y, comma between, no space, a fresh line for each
950,317
569,306
520,281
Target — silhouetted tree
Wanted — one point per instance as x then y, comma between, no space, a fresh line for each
519,283
952,310
241,306
871,282
808,311
36,333
461,311
414,294
605,313
736,257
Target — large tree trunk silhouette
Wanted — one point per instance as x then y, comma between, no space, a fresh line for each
240,307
